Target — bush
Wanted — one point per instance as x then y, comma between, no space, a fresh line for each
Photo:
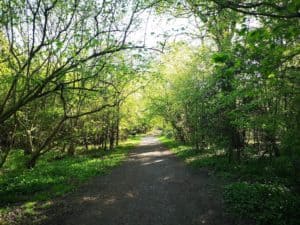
266,204
168,133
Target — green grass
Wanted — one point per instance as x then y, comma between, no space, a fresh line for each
260,189
276,170
54,175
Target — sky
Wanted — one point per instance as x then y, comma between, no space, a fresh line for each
155,29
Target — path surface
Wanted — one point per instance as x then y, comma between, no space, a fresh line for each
152,187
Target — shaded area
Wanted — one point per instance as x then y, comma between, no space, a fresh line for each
151,187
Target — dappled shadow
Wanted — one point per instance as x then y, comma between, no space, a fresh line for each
188,153
151,187
98,152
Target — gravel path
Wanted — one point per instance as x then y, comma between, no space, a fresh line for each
152,187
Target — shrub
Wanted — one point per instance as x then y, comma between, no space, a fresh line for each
266,204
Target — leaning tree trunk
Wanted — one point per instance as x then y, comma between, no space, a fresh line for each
3,156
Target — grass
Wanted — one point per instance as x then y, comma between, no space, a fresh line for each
263,190
53,175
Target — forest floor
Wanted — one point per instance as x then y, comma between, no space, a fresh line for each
152,187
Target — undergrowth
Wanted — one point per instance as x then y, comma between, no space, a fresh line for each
54,175
263,190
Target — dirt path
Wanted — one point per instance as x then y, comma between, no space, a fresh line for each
152,187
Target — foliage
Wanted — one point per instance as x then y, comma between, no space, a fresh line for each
266,191
265,203
55,174
239,89
62,65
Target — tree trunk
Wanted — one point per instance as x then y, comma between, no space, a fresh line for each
27,150
117,132
272,146
111,141
4,156
32,160
63,149
236,143
118,125
71,149
86,144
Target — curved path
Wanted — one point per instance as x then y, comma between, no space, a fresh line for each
152,187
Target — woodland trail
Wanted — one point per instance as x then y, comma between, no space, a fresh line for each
152,187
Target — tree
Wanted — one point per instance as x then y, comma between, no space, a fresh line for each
251,88
60,52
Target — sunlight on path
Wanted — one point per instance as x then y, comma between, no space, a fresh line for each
151,140
152,187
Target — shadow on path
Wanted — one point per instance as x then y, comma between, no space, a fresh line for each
152,187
